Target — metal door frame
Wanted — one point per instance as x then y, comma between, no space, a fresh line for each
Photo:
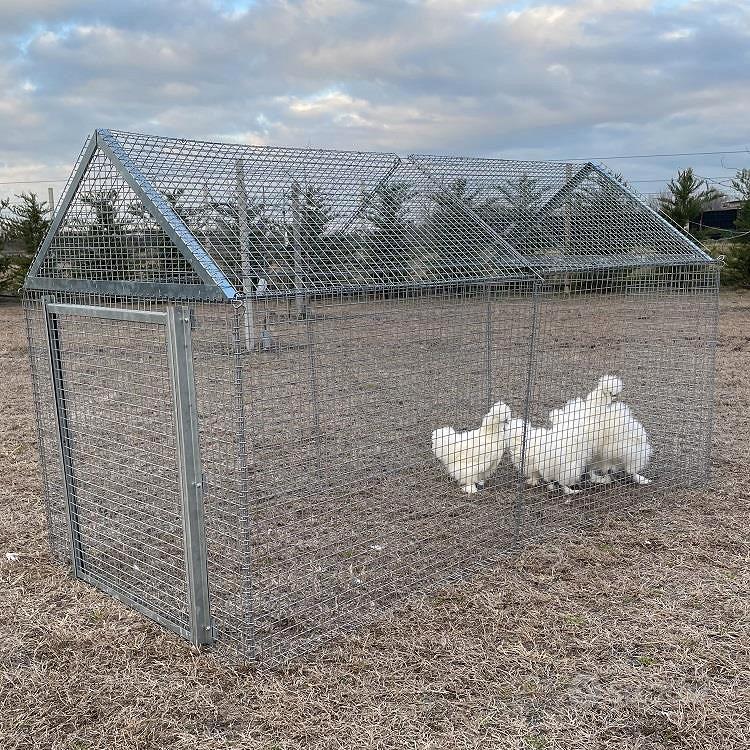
176,322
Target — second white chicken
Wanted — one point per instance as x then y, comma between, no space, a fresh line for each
473,456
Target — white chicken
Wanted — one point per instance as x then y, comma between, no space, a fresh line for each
620,442
560,455
471,457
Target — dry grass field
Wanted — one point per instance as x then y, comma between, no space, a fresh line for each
634,634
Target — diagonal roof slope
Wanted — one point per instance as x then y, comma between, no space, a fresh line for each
566,216
194,218
113,233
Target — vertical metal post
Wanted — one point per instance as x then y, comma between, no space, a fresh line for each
299,298
314,391
568,220
488,347
713,322
247,271
179,346
63,440
244,520
51,201
518,508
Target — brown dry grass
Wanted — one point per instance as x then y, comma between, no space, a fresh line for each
634,636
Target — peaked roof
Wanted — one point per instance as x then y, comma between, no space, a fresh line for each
170,217
567,216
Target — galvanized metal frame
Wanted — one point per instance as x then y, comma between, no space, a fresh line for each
165,215
714,327
62,437
108,313
484,169
217,286
670,226
428,339
128,288
518,506
176,320
191,476
591,168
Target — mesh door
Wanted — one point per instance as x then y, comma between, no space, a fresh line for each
119,440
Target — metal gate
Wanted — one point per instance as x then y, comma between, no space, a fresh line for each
128,438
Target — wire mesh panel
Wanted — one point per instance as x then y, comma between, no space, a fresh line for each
652,333
53,477
279,219
564,215
119,436
107,234
214,334
218,345
403,368
350,508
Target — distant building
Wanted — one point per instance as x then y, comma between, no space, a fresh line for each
717,218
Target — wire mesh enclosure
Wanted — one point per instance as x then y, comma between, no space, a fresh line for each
280,389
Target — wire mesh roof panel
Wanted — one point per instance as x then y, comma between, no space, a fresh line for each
278,219
107,234
564,215
258,219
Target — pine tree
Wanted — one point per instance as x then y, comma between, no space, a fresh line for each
387,245
686,197
521,199
458,248
22,229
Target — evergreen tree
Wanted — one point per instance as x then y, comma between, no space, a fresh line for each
104,205
520,202
460,248
319,251
159,260
686,197
109,257
736,271
387,250
23,226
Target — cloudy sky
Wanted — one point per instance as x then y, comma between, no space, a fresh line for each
565,79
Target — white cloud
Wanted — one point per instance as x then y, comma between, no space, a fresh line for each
560,71
677,34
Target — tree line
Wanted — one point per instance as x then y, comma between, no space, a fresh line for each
305,242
